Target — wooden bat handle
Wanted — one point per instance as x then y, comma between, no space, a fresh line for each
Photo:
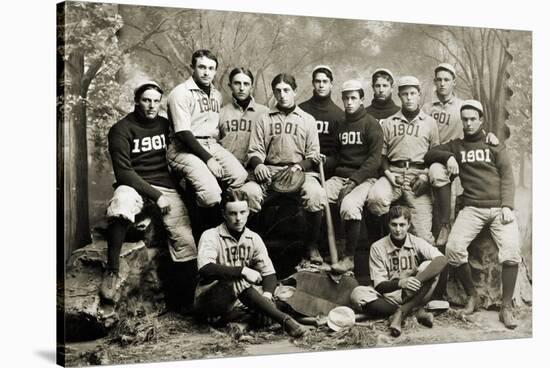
330,225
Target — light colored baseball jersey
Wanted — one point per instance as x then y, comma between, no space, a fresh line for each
279,139
236,125
447,116
388,262
217,246
404,140
190,108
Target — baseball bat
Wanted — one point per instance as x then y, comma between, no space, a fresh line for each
330,225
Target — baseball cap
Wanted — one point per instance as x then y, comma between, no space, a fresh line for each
446,66
473,104
408,80
340,318
351,85
322,67
147,83
385,71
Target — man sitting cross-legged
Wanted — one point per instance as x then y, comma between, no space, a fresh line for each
404,269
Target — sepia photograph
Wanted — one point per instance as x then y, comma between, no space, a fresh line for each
235,183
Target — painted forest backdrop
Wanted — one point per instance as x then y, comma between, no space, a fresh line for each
104,50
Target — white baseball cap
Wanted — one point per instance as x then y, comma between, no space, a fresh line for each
340,318
446,66
147,83
322,67
351,85
385,71
408,80
473,104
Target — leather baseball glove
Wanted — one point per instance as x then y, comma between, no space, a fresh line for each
420,184
288,180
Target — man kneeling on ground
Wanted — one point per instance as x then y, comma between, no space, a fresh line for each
404,269
231,260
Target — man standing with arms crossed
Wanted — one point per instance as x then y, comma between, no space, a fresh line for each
360,141
327,114
488,181
194,152
408,135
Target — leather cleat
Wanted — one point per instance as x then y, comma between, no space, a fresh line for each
425,318
506,316
395,323
443,235
314,256
471,305
344,265
293,328
108,285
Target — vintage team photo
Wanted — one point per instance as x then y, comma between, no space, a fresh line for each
235,184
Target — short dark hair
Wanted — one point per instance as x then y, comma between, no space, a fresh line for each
284,78
322,70
203,53
138,92
233,196
384,75
239,70
398,211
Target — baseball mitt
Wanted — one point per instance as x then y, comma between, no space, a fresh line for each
420,185
288,180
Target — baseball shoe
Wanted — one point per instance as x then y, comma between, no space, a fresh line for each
314,256
344,265
471,305
506,316
292,327
425,318
108,285
443,235
395,323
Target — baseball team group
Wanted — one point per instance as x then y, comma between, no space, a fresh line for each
400,164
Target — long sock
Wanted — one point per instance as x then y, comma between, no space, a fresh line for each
509,277
313,233
417,300
353,228
380,308
464,273
115,237
441,288
443,199
252,299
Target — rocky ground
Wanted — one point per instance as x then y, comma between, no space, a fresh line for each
170,337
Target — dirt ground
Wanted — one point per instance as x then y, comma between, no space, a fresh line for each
171,337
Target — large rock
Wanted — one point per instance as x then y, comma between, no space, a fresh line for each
486,272
138,292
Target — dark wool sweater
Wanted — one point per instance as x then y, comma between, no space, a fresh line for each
328,117
360,140
485,171
382,110
138,151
